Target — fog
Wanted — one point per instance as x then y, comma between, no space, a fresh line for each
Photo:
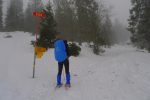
119,15
120,8
119,11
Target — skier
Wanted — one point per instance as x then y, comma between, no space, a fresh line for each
62,56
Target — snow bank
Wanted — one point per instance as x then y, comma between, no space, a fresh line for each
121,73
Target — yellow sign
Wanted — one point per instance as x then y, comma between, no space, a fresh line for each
39,51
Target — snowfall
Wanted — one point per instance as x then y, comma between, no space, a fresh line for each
121,73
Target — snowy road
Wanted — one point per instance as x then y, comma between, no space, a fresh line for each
121,73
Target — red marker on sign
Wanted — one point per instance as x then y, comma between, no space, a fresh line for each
39,14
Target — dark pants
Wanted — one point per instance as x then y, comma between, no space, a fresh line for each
60,68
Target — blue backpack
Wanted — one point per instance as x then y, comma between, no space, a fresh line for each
60,50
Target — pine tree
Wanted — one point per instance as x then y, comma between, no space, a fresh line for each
134,18
144,25
82,16
65,18
139,23
88,19
90,23
107,30
14,18
1,22
38,5
82,19
20,15
47,28
30,20
11,18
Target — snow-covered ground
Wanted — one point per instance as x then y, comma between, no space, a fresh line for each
121,73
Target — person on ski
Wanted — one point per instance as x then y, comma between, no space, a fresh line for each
62,57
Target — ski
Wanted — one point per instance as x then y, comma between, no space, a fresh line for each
67,86
58,86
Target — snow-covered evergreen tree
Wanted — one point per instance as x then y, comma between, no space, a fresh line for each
1,22
47,28
14,18
139,23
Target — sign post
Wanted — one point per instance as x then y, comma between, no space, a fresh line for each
38,13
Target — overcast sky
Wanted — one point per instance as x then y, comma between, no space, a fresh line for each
120,8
